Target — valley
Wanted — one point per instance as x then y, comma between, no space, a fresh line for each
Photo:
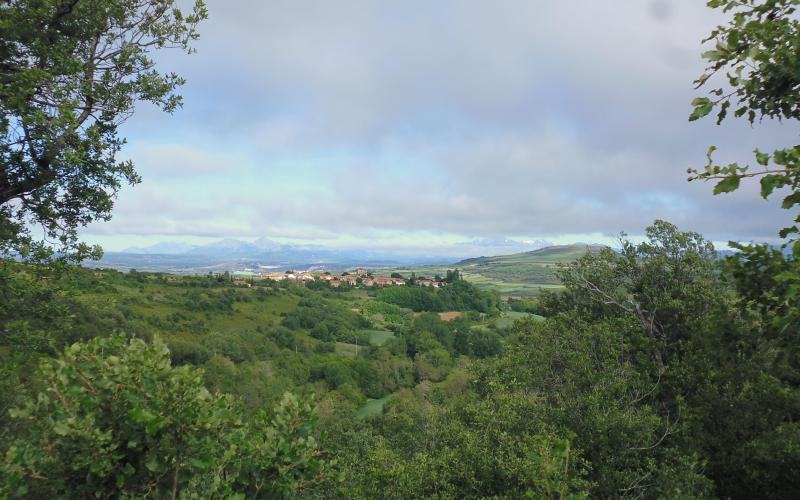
341,270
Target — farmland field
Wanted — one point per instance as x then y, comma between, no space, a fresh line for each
518,275
508,318
449,315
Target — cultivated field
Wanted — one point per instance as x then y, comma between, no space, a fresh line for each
518,275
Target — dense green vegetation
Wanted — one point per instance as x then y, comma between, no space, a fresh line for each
657,371
111,402
204,337
641,381
457,296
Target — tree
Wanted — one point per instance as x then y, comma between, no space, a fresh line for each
452,276
706,348
71,71
757,52
492,448
115,419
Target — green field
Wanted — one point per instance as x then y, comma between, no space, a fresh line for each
373,407
504,288
508,318
518,275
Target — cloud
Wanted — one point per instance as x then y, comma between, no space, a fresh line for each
362,119
172,159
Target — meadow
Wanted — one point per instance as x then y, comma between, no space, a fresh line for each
524,274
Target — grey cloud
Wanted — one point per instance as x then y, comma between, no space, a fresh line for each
361,68
532,117
534,186
661,10
173,160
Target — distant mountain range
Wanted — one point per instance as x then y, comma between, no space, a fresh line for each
507,260
164,248
227,246
239,248
232,254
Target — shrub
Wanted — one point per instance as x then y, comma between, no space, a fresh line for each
116,419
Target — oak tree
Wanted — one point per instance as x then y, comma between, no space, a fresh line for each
71,71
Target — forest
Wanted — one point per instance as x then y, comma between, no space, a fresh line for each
661,369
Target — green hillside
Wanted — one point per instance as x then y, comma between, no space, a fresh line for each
520,274
536,267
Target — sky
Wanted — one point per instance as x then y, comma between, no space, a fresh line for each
415,124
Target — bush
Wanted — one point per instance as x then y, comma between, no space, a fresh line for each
186,352
115,419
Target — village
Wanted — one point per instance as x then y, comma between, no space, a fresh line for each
357,277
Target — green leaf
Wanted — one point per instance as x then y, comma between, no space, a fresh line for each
18,413
761,158
727,184
796,249
723,112
769,183
702,107
791,200
141,415
61,429
154,425
197,464
787,231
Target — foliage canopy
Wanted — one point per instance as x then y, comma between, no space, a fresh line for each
757,52
70,73
114,418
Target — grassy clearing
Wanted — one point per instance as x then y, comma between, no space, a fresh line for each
508,318
515,315
449,315
379,337
153,299
348,350
508,288
373,407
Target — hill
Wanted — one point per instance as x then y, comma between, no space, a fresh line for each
519,274
537,266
